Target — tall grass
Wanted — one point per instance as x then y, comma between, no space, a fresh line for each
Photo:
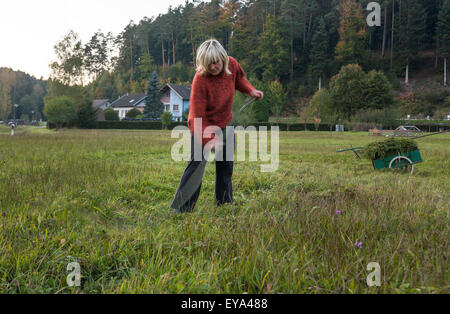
102,198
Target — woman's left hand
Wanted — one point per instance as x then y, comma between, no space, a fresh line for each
257,94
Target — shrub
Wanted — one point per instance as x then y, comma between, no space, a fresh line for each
186,115
377,116
322,106
321,100
362,127
166,119
389,147
441,113
111,115
133,113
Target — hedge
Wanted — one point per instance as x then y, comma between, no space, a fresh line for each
295,126
147,125
157,125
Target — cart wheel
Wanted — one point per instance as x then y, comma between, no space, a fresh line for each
402,163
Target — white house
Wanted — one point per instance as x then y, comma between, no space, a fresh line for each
175,99
127,102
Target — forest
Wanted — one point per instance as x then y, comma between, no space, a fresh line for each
304,54
17,87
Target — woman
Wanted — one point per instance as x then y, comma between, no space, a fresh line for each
218,76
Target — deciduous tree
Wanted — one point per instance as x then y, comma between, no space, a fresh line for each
69,67
60,111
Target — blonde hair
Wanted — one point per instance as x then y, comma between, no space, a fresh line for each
210,52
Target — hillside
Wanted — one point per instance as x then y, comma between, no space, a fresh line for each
425,89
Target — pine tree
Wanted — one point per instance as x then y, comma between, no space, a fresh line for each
153,105
143,67
412,25
291,11
443,35
273,50
352,44
319,54
86,115
377,91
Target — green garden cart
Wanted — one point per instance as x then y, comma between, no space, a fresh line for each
402,161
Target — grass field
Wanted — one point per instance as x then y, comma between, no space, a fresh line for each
101,198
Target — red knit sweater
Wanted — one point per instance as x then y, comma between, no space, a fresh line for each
212,97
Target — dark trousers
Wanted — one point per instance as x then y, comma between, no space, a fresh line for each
191,182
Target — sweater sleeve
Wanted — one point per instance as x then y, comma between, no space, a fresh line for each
197,108
242,84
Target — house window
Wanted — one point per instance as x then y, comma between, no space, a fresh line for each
167,107
176,107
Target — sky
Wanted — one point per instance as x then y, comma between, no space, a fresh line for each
29,28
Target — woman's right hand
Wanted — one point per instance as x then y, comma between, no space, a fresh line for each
257,94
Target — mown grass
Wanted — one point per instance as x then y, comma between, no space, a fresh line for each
101,198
